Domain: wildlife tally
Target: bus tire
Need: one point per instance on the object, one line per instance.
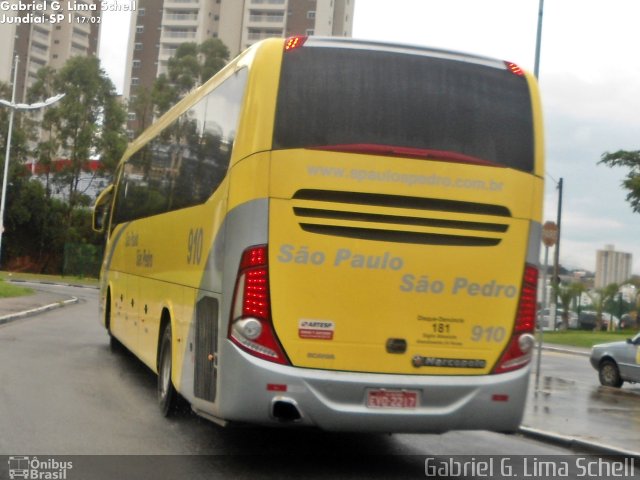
(114, 343)
(167, 395)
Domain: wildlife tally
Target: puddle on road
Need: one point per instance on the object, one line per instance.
(615, 401)
(551, 390)
(561, 396)
(550, 382)
(579, 410)
(550, 385)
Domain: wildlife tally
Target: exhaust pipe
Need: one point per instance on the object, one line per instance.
(285, 410)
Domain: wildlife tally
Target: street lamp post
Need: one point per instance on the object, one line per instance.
(536, 72)
(7, 151)
(13, 106)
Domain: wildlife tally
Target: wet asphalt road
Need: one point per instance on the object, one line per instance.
(64, 392)
(571, 401)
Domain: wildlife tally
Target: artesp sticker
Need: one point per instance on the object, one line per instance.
(316, 329)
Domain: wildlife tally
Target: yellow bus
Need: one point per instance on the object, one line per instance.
(334, 233)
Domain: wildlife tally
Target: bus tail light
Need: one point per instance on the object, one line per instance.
(518, 352)
(251, 328)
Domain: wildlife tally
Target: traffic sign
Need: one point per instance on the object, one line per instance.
(549, 234)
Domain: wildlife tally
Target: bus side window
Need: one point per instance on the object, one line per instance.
(205, 142)
(185, 164)
(102, 208)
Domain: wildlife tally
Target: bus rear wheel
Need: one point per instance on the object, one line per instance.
(167, 395)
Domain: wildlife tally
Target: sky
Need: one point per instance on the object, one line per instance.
(589, 76)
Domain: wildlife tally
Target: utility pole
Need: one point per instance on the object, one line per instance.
(536, 67)
(556, 258)
(8, 150)
(536, 72)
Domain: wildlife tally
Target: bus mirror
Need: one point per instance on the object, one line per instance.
(101, 209)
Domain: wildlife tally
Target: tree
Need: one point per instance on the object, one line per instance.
(113, 139)
(194, 64)
(19, 152)
(163, 95)
(19, 148)
(566, 294)
(184, 68)
(34, 224)
(630, 160)
(214, 56)
(599, 299)
(44, 123)
(142, 106)
(87, 123)
(191, 65)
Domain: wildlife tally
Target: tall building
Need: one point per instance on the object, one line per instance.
(46, 34)
(612, 267)
(158, 27)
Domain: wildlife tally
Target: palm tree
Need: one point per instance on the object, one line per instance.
(599, 299)
(566, 294)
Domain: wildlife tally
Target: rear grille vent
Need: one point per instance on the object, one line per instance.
(401, 201)
(346, 220)
(401, 220)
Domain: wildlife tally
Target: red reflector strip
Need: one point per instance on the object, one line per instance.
(276, 387)
(500, 397)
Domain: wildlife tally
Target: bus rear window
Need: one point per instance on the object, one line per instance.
(344, 97)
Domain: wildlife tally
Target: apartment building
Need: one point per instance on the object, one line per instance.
(48, 33)
(612, 267)
(158, 27)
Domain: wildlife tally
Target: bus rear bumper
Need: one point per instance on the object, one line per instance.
(271, 394)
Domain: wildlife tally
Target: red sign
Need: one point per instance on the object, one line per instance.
(549, 234)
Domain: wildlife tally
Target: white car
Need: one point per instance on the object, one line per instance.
(545, 318)
(617, 362)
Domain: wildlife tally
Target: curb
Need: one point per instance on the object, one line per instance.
(576, 443)
(562, 349)
(44, 282)
(34, 311)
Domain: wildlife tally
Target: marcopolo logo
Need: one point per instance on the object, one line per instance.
(38, 469)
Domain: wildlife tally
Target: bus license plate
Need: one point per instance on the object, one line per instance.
(392, 399)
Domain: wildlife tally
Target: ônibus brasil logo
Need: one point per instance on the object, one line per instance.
(35, 469)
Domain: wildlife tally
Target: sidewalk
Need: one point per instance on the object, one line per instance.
(568, 413)
(20, 307)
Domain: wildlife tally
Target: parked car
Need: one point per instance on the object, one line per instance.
(627, 321)
(617, 362)
(546, 321)
(587, 320)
